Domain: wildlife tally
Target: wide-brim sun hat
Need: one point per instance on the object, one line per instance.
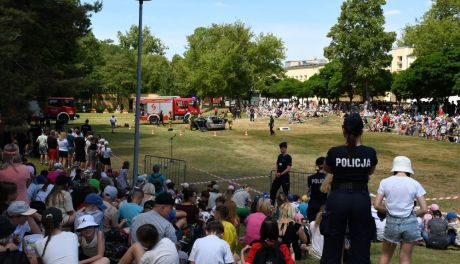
(402, 164)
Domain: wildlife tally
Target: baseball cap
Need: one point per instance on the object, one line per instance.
(164, 198)
(95, 183)
(20, 208)
(95, 199)
(7, 228)
(451, 215)
(283, 145)
(168, 181)
(434, 207)
(111, 191)
(85, 221)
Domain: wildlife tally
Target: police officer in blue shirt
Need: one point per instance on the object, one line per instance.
(283, 167)
(348, 202)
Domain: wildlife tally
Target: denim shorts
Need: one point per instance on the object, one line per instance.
(405, 230)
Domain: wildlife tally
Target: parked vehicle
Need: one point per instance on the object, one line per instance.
(60, 108)
(179, 108)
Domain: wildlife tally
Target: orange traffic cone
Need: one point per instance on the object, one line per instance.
(153, 132)
(215, 133)
(129, 127)
(246, 132)
(180, 133)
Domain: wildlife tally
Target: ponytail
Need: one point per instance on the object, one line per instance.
(49, 225)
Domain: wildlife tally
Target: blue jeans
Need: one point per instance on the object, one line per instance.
(404, 229)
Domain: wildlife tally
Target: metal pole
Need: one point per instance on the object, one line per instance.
(138, 98)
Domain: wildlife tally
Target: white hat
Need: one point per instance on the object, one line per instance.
(402, 163)
(85, 221)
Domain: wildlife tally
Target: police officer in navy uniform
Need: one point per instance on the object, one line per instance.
(283, 167)
(317, 198)
(348, 201)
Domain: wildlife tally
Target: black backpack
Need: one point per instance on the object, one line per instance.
(269, 254)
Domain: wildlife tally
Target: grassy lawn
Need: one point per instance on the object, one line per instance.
(231, 154)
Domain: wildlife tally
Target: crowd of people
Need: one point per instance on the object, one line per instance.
(80, 211)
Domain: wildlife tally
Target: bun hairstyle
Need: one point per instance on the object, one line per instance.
(51, 220)
(352, 129)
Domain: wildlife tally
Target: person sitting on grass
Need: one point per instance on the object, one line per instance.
(242, 199)
(255, 220)
(92, 241)
(132, 209)
(454, 228)
(436, 236)
(211, 249)
(230, 234)
(95, 207)
(268, 243)
(150, 249)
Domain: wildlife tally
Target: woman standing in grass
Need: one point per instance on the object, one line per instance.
(400, 191)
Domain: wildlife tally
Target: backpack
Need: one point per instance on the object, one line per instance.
(269, 254)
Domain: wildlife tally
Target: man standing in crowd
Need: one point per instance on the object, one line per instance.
(283, 167)
(317, 198)
(251, 114)
(271, 125)
(85, 128)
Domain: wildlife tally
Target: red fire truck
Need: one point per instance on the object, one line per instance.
(180, 108)
(60, 108)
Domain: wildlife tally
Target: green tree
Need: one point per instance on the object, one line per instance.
(227, 60)
(39, 44)
(178, 77)
(155, 74)
(286, 88)
(150, 43)
(433, 75)
(359, 42)
(437, 30)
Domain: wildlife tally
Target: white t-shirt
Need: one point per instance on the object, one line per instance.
(62, 249)
(317, 240)
(211, 249)
(164, 252)
(63, 145)
(400, 193)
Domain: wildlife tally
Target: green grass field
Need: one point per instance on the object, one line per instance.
(231, 154)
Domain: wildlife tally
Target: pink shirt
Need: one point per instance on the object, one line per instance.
(253, 224)
(18, 174)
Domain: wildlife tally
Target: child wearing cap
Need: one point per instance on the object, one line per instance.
(92, 241)
(93, 206)
(453, 232)
(400, 191)
(22, 218)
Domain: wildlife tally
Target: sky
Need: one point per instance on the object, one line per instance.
(301, 24)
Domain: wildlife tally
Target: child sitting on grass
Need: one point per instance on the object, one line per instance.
(211, 249)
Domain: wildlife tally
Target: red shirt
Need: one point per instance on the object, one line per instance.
(283, 248)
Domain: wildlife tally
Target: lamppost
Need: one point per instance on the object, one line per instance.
(138, 96)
